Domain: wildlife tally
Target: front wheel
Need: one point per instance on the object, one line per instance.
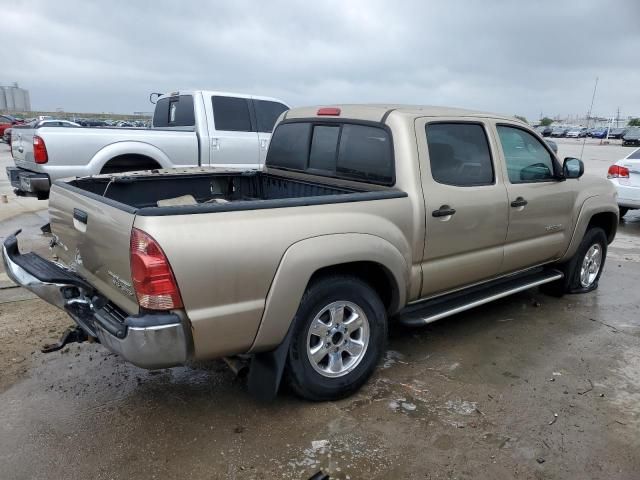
(582, 272)
(340, 333)
(623, 211)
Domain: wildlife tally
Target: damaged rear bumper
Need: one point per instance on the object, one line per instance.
(148, 340)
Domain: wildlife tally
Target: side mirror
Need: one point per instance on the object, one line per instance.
(153, 97)
(572, 167)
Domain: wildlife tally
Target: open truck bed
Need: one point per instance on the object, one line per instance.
(207, 190)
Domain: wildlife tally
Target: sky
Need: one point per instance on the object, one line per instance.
(520, 57)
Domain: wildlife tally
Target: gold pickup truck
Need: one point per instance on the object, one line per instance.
(363, 215)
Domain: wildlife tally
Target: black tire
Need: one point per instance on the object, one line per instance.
(302, 376)
(571, 269)
(623, 211)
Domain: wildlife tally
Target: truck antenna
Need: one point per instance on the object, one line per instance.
(593, 97)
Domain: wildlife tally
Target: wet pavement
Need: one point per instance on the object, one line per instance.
(527, 387)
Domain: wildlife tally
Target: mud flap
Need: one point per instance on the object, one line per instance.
(266, 370)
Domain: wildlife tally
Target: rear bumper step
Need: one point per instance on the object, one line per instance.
(148, 340)
(429, 311)
(28, 183)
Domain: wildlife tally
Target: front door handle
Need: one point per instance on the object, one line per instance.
(444, 211)
(519, 202)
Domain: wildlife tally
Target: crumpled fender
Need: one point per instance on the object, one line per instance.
(591, 206)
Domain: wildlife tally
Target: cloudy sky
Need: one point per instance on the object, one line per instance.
(513, 56)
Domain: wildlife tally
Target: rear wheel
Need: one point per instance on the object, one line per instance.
(340, 333)
(129, 163)
(582, 272)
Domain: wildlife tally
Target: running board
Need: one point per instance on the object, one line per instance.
(429, 311)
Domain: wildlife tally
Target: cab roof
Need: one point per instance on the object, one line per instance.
(377, 112)
(220, 93)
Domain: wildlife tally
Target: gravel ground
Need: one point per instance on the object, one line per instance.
(527, 387)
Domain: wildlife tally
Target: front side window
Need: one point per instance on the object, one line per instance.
(526, 157)
(231, 114)
(459, 154)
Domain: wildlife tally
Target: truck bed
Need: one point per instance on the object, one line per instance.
(186, 192)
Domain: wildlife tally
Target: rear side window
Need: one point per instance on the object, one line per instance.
(267, 112)
(231, 114)
(344, 150)
(174, 112)
(459, 154)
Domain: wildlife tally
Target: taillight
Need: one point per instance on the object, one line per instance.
(151, 273)
(616, 171)
(39, 150)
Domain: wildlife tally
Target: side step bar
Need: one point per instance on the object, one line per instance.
(428, 311)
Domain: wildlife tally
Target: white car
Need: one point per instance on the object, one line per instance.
(577, 132)
(625, 175)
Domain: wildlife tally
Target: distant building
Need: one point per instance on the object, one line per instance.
(14, 99)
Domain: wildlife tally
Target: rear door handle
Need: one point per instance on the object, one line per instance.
(519, 202)
(444, 211)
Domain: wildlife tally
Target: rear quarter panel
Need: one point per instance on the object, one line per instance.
(225, 262)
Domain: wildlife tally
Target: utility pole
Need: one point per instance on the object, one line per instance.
(618, 118)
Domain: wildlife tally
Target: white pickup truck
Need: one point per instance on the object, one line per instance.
(190, 128)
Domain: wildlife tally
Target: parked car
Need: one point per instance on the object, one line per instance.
(600, 133)
(93, 122)
(631, 136)
(576, 132)
(190, 129)
(625, 175)
(304, 263)
(559, 131)
(544, 131)
(617, 132)
(39, 124)
(7, 121)
(53, 122)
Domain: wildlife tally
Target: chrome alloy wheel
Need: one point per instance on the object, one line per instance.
(337, 339)
(591, 265)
